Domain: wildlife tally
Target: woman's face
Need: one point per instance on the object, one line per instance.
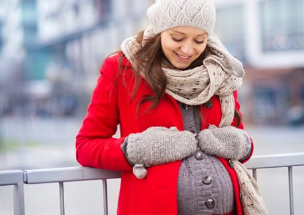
(183, 45)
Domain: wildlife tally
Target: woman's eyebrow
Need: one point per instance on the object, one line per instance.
(178, 32)
(185, 34)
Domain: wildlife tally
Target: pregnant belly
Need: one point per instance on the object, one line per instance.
(204, 186)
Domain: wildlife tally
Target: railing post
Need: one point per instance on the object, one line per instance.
(19, 208)
(105, 196)
(290, 182)
(61, 194)
(15, 178)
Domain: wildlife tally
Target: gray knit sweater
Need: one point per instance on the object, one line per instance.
(204, 185)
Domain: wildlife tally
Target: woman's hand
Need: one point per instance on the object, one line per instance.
(159, 145)
(226, 142)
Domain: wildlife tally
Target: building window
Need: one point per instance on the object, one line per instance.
(76, 9)
(103, 8)
(29, 22)
(230, 29)
(282, 23)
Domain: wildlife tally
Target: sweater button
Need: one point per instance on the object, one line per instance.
(199, 155)
(210, 203)
(207, 180)
(186, 107)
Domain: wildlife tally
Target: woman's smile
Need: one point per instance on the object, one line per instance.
(183, 45)
(183, 57)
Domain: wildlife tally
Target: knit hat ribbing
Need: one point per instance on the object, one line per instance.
(166, 14)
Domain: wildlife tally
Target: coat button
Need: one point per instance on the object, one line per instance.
(207, 180)
(210, 203)
(186, 107)
(199, 155)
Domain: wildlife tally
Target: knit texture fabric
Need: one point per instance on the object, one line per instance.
(159, 145)
(251, 199)
(193, 192)
(227, 142)
(220, 74)
(166, 14)
(194, 184)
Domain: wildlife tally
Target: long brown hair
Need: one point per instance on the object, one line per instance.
(149, 60)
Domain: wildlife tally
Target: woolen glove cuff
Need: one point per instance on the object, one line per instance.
(226, 142)
(159, 145)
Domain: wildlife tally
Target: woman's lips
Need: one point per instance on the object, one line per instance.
(182, 57)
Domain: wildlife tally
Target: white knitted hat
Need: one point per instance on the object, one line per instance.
(166, 14)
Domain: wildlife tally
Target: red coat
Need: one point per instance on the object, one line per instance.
(112, 104)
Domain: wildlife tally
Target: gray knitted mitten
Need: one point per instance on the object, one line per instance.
(226, 142)
(158, 145)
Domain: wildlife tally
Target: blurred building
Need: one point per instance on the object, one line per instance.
(51, 51)
(79, 35)
(59, 46)
(268, 36)
(18, 30)
(1, 23)
(2, 95)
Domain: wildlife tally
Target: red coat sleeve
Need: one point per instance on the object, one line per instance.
(241, 126)
(95, 145)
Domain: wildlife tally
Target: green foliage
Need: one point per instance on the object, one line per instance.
(12, 145)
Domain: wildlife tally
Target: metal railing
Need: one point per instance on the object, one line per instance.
(18, 178)
(276, 161)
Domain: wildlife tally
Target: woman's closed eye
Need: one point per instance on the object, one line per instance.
(177, 39)
(180, 39)
(199, 41)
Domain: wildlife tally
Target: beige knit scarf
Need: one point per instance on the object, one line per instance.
(220, 74)
(250, 196)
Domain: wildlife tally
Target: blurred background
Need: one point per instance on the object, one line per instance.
(51, 51)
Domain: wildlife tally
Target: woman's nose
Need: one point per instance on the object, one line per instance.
(187, 49)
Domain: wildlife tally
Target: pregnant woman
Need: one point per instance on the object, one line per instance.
(172, 89)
